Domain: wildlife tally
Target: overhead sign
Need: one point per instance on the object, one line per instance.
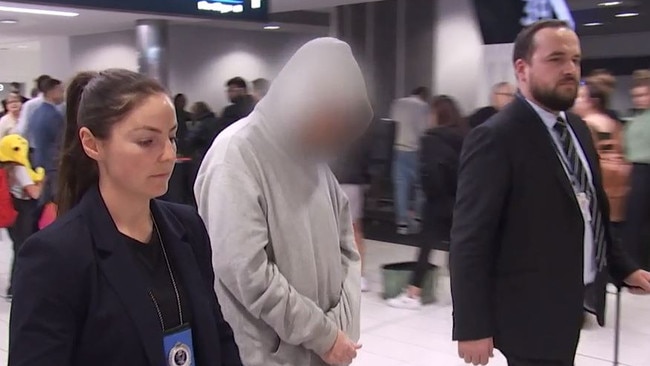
(254, 10)
(502, 20)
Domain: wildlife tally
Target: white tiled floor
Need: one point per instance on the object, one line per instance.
(392, 337)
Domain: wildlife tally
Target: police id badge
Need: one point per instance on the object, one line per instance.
(179, 350)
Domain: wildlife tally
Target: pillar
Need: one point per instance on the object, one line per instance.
(152, 46)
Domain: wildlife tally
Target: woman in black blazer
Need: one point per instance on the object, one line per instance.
(439, 161)
(120, 278)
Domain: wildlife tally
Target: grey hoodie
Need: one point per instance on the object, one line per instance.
(288, 273)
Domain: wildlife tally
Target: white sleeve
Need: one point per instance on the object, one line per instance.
(21, 175)
(21, 126)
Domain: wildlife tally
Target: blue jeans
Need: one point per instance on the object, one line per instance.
(406, 181)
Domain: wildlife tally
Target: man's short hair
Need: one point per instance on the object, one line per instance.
(641, 78)
(261, 84)
(15, 85)
(525, 41)
(500, 85)
(40, 80)
(237, 82)
(50, 84)
(421, 91)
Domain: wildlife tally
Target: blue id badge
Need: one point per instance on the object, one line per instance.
(179, 350)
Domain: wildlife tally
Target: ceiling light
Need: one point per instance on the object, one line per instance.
(8, 21)
(38, 11)
(23, 46)
(610, 3)
(626, 15)
(272, 27)
(593, 24)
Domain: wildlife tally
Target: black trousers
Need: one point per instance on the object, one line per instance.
(514, 361)
(434, 234)
(638, 215)
(22, 229)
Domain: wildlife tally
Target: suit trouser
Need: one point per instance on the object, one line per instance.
(514, 361)
(638, 214)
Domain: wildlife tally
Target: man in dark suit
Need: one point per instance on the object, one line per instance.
(242, 102)
(531, 234)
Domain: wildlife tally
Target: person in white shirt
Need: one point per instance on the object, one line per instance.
(411, 116)
(9, 121)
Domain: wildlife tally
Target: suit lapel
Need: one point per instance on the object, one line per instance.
(185, 266)
(542, 143)
(118, 265)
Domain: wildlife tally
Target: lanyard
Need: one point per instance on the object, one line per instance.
(173, 282)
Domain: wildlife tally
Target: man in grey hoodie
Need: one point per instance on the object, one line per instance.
(288, 274)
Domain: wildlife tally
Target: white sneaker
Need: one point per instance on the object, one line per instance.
(404, 301)
(364, 285)
(403, 230)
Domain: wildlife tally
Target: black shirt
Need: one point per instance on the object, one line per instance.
(156, 275)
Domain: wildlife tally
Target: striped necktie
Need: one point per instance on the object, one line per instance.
(581, 179)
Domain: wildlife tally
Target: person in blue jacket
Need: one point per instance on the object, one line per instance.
(119, 278)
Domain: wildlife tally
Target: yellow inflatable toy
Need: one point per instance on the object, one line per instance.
(15, 149)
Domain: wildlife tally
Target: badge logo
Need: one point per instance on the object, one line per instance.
(180, 355)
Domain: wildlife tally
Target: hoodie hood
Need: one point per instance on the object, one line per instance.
(321, 75)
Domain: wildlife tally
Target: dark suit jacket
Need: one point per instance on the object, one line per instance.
(517, 242)
(241, 108)
(79, 298)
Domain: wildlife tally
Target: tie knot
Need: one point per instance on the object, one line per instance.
(560, 124)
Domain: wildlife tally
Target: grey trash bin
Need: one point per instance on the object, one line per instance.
(396, 277)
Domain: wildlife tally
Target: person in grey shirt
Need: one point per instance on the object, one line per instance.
(411, 115)
(288, 273)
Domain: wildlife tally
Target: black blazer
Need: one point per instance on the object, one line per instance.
(79, 298)
(517, 242)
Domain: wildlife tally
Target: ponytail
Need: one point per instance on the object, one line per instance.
(77, 172)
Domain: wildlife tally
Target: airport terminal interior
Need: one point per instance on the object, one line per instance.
(217, 60)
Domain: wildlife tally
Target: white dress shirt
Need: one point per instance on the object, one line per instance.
(550, 119)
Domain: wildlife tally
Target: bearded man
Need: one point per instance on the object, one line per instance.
(530, 239)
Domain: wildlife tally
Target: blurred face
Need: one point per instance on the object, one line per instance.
(641, 97)
(327, 133)
(552, 75)
(583, 102)
(13, 104)
(57, 95)
(235, 92)
(139, 156)
(433, 121)
(503, 96)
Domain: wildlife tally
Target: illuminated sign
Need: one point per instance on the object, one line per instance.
(253, 10)
(223, 6)
(502, 20)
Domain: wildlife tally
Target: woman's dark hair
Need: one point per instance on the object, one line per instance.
(448, 113)
(180, 102)
(599, 93)
(97, 101)
(200, 110)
